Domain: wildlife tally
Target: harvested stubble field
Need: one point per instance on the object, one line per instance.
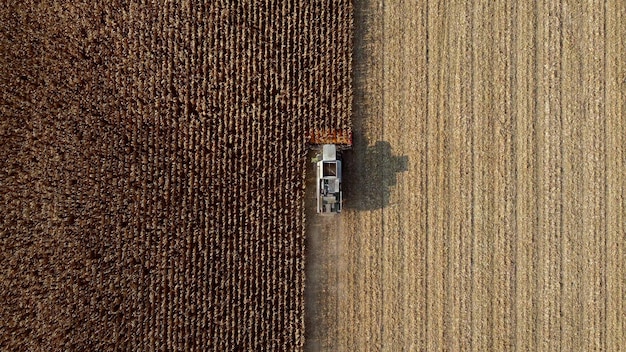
(506, 231)
(152, 169)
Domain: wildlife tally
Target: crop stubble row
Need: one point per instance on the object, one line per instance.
(153, 169)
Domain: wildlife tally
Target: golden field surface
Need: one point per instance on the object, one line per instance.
(485, 195)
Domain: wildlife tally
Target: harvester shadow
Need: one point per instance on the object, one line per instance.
(369, 173)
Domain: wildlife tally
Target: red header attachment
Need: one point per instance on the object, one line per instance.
(331, 137)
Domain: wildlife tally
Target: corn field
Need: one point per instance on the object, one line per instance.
(152, 169)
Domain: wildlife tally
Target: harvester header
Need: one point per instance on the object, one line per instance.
(328, 136)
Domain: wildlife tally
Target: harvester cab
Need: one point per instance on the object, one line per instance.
(328, 168)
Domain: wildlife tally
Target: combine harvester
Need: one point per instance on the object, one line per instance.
(329, 193)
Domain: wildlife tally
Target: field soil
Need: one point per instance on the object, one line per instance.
(485, 195)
